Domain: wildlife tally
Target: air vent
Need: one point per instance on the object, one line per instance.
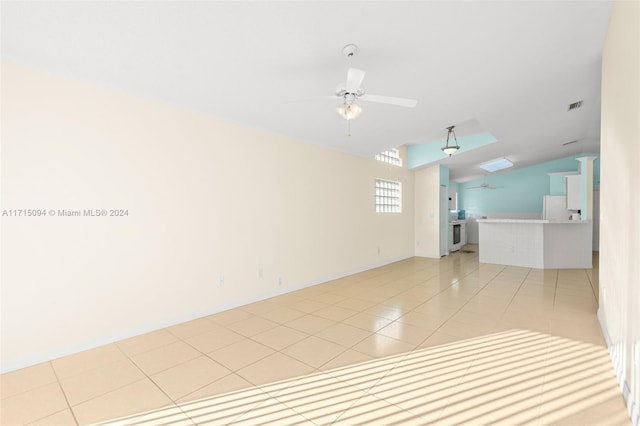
(569, 143)
(575, 105)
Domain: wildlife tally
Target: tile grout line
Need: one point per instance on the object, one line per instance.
(59, 382)
(254, 362)
(73, 414)
(475, 354)
(593, 290)
(516, 292)
(316, 369)
(412, 310)
(401, 283)
(148, 377)
(459, 309)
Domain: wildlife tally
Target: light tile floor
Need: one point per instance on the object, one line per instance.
(417, 342)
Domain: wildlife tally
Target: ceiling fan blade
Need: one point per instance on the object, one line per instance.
(403, 102)
(354, 79)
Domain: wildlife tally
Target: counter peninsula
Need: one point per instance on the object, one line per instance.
(532, 243)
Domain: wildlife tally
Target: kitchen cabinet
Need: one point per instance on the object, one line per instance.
(574, 192)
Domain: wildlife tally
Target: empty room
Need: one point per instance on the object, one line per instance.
(320, 213)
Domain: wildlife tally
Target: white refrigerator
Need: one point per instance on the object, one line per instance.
(554, 207)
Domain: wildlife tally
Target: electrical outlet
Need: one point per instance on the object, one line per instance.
(279, 280)
(221, 280)
(378, 250)
(259, 273)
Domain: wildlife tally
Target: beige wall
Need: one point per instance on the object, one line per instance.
(205, 199)
(620, 193)
(427, 211)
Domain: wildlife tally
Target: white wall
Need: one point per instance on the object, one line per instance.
(619, 196)
(427, 202)
(205, 199)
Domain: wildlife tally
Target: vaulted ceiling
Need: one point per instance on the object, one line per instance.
(511, 68)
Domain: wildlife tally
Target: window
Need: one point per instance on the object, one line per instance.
(495, 165)
(391, 156)
(388, 196)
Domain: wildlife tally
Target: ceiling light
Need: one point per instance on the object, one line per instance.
(495, 165)
(349, 110)
(451, 149)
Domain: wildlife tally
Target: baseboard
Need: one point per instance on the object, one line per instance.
(616, 359)
(105, 340)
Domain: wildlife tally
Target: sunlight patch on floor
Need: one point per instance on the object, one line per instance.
(517, 376)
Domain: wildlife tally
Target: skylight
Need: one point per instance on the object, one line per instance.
(495, 165)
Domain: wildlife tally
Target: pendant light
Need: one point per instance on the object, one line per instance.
(451, 149)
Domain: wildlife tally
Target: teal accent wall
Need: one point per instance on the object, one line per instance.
(426, 153)
(521, 191)
(444, 175)
(557, 185)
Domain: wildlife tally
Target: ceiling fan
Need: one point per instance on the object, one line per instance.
(352, 91)
(485, 185)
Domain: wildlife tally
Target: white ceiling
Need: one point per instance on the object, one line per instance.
(512, 66)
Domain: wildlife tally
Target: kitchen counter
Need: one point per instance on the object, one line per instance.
(532, 221)
(534, 243)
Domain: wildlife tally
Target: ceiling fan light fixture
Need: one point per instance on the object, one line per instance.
(349, 110)
(451, 149)
(352, 91)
